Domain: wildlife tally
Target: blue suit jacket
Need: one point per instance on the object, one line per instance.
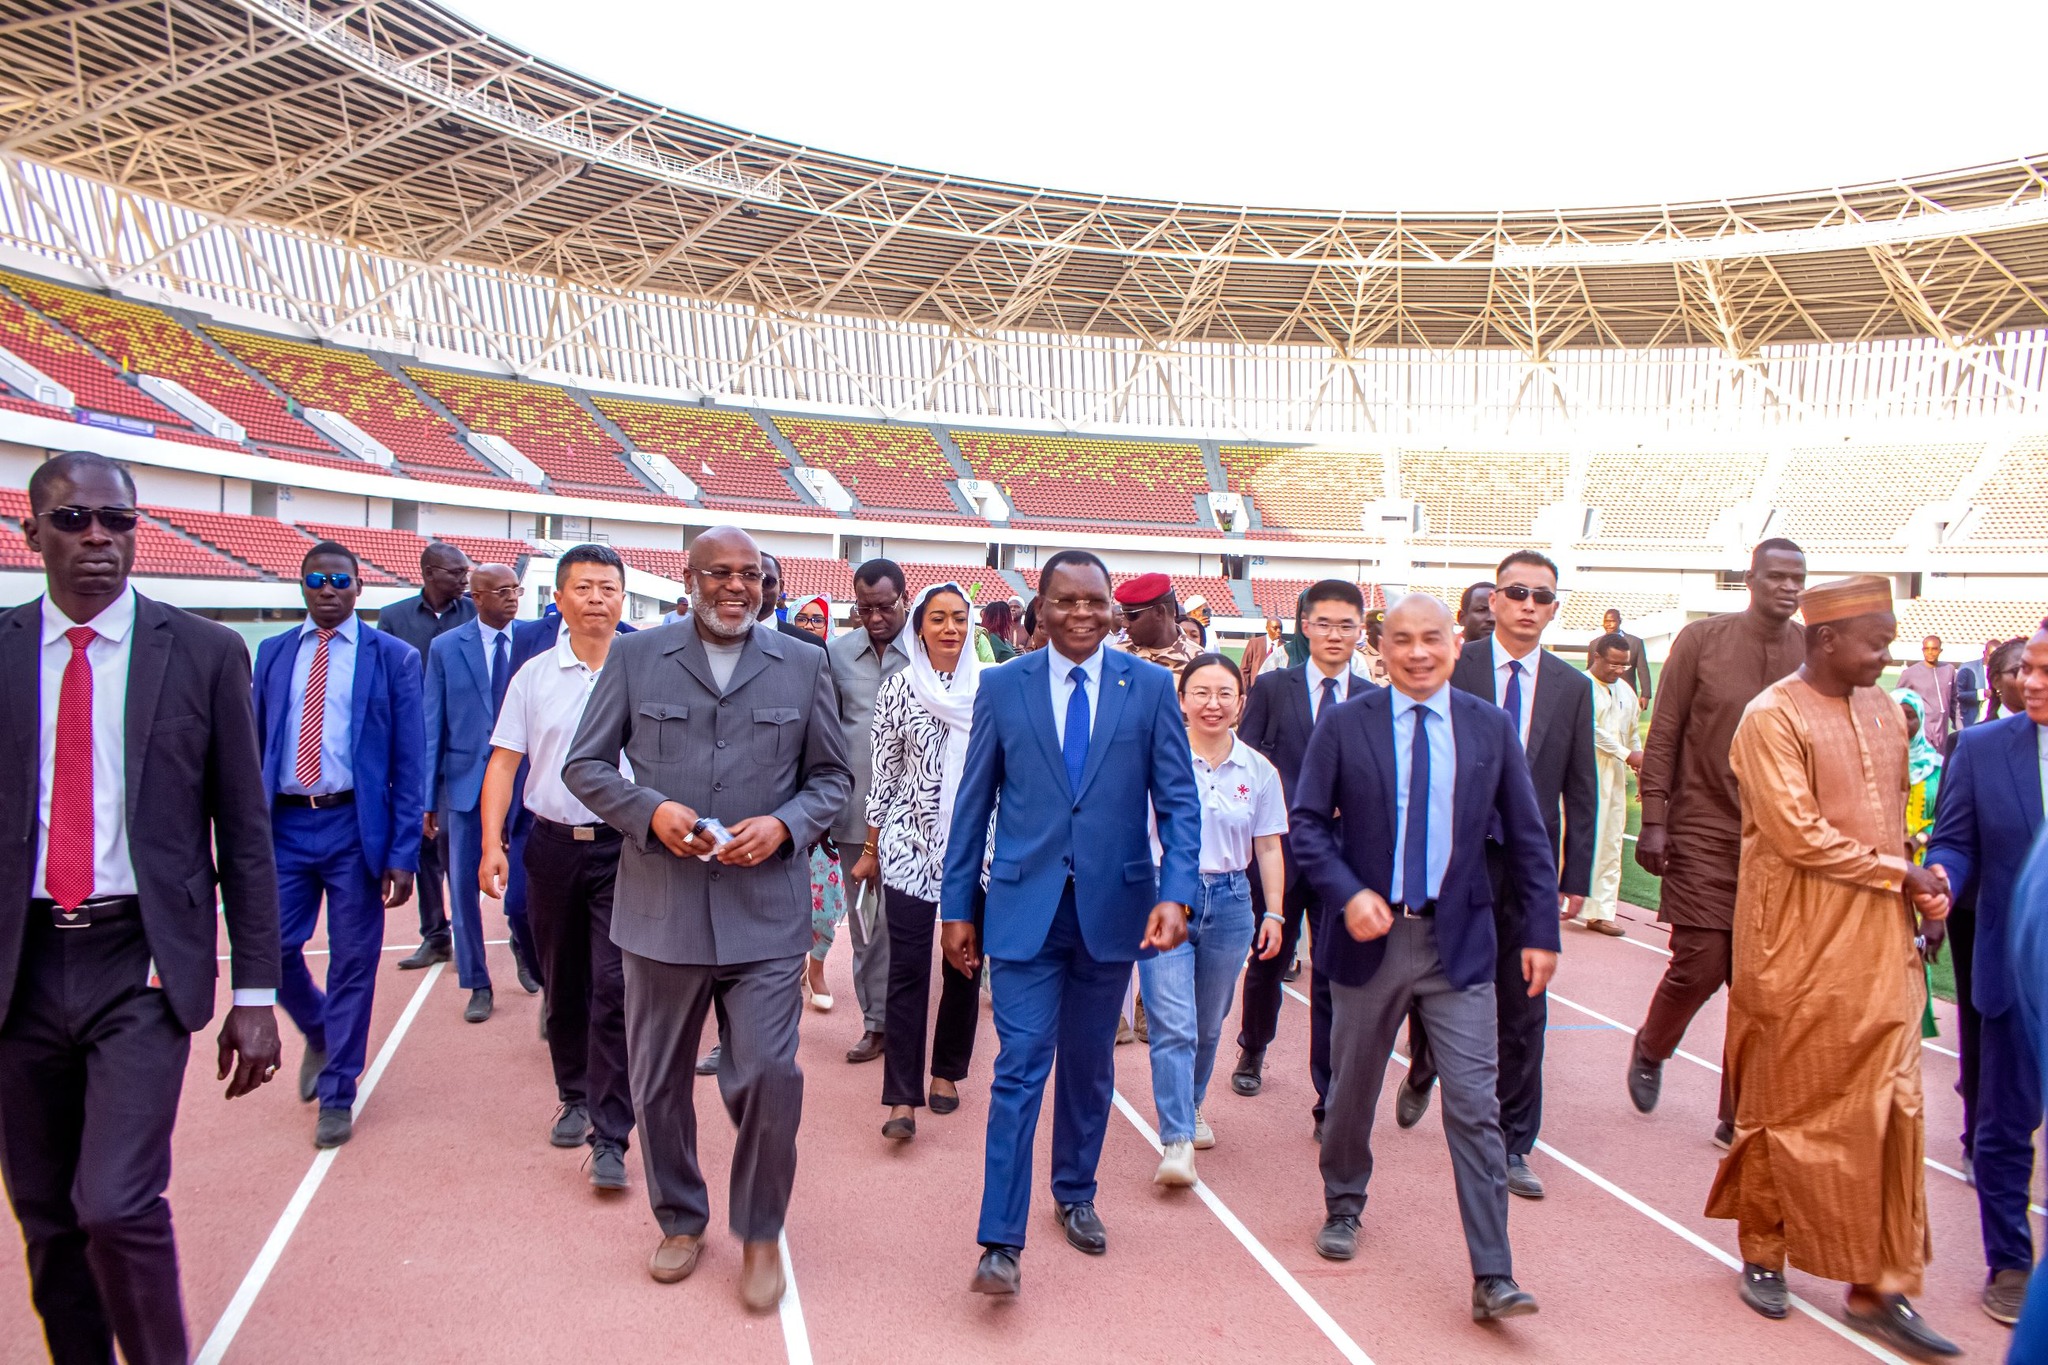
(387, 733)
(1343, 835)
(459, 718)
(1988, 815)
(1046, 833)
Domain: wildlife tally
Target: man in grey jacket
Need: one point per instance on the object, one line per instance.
(718, 722)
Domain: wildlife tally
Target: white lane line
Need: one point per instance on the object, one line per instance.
(796, 1338)
(1303, 1300)
(237, 1312)
(1602, 1182)
(387, 948)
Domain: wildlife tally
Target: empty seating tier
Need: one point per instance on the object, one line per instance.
(260, 542)
(802, 577)
(1667, 498)
(1276, 596)
(149, 341)
(357, 387)
(1071, 478)
(1312, 494)
(2013, 503)
(93, 385)
(1964, 626)
(1482, 496)
(490, 549)
(163, 553)
(1864, 495)
(1587, 603)
(397, 553)
(667, 564)
(726, 453)
(984, 585)
(543, 422)
(882, 466)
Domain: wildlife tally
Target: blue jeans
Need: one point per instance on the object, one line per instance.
(1187, 997)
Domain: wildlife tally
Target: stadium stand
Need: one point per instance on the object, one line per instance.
(667, 564)
(1584, 607)
(1667, 499)
(160, 552)
(1848, 496)
(545, 424)
(984, 585)
(397, 553)
(882, 466)
(1481, 497)
(1276, 596)
(352, 384)
(1214, 590)
(1964, 625)
(93, 386)
(725, 452)
(490, 549)
(802, 577)
(1306, 494)
(148, 340)
(2012, 505)
(1071, 480)
(260, 542)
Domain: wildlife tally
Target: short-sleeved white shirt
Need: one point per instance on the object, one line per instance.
(543, 706)
(1241, 800)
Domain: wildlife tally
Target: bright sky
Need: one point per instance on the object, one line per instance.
(1483, 104)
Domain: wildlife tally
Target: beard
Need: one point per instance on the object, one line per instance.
(700, 607)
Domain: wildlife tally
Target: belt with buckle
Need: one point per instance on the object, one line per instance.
(582, 834)
(1426, 910)
(99, 910)
(346, 798)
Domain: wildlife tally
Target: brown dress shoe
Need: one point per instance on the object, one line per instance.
(761, 1277)
(675, 1258)
(867, 1049)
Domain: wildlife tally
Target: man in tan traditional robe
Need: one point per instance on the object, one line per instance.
(1824, 1011)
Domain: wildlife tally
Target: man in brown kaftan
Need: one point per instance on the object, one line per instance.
(1824, 1010)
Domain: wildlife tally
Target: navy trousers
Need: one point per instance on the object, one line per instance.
(2008, 1112)
(465, 903)
(524, 946)
(1062, 1003)
(320, 855)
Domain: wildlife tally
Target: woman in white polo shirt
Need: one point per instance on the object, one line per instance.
(1188, 990)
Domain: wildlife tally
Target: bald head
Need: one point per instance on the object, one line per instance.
(724, 577)
(1419, 645)
(495, 589)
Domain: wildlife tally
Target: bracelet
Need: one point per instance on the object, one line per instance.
(1275, 917)
(870, 850)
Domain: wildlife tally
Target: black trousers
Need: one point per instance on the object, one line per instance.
(911, 925)
(91, 1065)
(1962, 950)
(1522, 1021)
(432, 889)
(1264, 991)
(569, 903)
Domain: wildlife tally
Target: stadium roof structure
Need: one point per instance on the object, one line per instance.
(396, 128)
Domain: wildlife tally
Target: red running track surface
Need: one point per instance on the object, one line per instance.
(449, 1229)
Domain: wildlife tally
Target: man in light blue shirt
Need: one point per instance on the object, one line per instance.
(333, 773)
(1443, 768)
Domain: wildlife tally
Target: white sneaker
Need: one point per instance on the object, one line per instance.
(1177, 1166)
(1205, 1136)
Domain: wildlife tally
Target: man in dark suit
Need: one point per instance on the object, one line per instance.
(1638, 670)
(468, 670)
(113, 695)
(1552, 703)
(1283, 711)
(338, 715)
(771, 596)
(1989, 815)
(1397, 794)
(1073, 739)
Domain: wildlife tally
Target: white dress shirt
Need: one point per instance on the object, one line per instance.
(112, 873)
(1061, 672)
(1316, 677)
(543, 706)
(1443, 775)
(337, 712)
(1500, 681)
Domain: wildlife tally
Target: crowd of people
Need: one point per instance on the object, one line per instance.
(1074, 804)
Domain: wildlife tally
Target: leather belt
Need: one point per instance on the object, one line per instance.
(582, 834)
(1427, 910)
(347, 798)
(98, 910)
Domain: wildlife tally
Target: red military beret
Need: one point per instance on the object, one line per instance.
(1146, 587)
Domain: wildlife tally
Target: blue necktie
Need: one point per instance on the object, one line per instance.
(501, 673)
(1512, 703)
(1415, 843)
(1329, 696)
(1074, 747)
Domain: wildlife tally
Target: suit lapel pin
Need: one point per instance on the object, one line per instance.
(1119, 682)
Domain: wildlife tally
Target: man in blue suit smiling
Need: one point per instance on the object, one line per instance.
(338, 711)
(1390, 821)
(1075, 739)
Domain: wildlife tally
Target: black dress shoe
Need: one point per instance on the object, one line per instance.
(1319, 1132)
(1522, 1181)
(528, 982)
(1338, 1240)
(479, 1007)
(1645, 1082)
(310, 1067)
(1724, 1135)
(900, 1130)
(607, 1166)
(998, 1272)
(867, 1049)
(1498, 1296)
(572, 1126)
(1410, 1104)
(1084, 1228)
(1248, 1079)
(1292, 972)
(334, 1127)
(707, 1065)
(426, 955)
(1896, 1320)
(942, 1104)
(1764, 1290)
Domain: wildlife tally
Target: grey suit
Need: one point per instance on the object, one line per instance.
(858, 671)
(692, 932)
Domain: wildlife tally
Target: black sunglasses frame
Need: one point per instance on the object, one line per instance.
(341, 581)
(73, 520)
(1522, 592)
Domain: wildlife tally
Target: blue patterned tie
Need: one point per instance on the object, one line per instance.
(501, 673)
(1415, 843)
(1512, 703)
(1074, 747)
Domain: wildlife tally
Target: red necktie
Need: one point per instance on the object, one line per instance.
(67, 873)
(314, 714)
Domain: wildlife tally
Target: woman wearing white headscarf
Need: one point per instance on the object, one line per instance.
(922, 715)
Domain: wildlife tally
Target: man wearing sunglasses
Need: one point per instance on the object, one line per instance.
(338, 713)
(107, 926)
(1551, 703)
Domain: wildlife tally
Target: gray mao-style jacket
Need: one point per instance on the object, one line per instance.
(770, 744)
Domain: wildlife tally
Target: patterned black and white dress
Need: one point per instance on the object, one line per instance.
(903, 799)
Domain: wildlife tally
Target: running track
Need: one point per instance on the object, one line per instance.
(450, 1230)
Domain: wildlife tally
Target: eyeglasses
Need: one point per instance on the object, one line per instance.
(1080, 603)
(513, 591)
(877, 608)
(750, 577)
(72, 520)
(1323, 627)
(1521, 592)
(808, 618)
(342, 581)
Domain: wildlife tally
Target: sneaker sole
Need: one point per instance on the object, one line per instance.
(556, 1140)
(608, 1186)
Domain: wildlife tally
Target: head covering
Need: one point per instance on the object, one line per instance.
(1195, 604)
(1845, 598)
(1923, 760)
(950, 704)
(1146, 587)
(824, 606)
(1297, 643)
